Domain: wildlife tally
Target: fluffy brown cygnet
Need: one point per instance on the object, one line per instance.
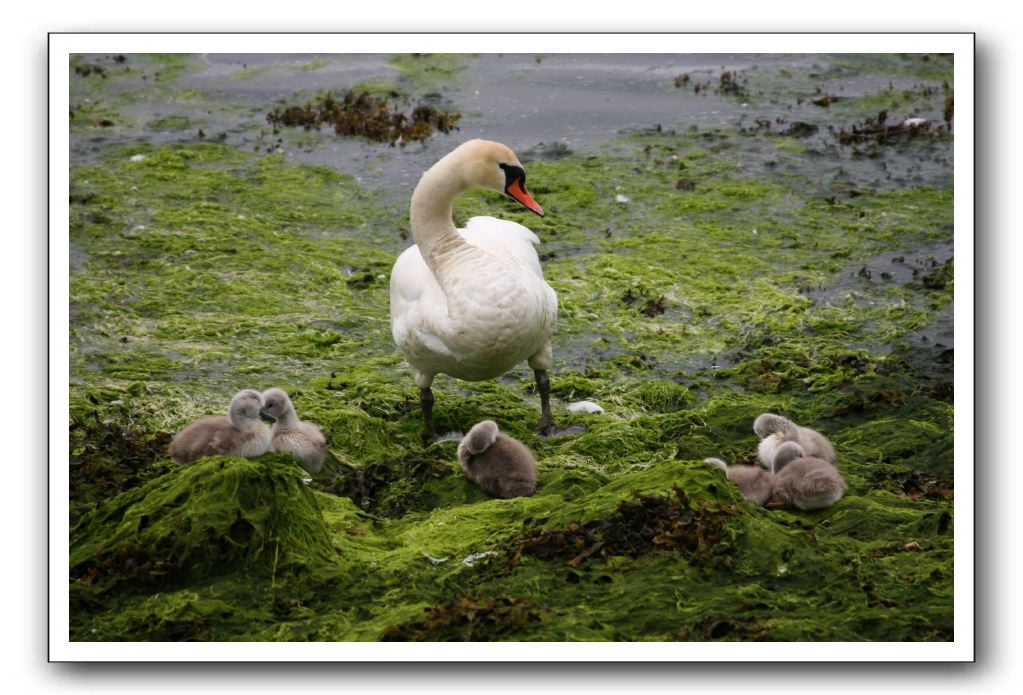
(806, 482)
(303, 440)
(502, 466)
(775, 430)
(239, 434)
(755, 483)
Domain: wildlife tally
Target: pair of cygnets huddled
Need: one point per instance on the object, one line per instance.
(242, 433)
(799, 467)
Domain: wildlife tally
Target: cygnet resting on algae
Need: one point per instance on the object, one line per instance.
(806, 482)
(755, 483)
(303, 440)
(499, 464)
(775, 430)
(239, 434)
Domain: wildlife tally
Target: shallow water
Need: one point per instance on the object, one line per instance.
(528, 102)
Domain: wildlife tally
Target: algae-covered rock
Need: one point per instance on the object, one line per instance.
(216, 516)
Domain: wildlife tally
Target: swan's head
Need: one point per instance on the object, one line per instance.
(275, 405)
(245, 408)
(492, 165)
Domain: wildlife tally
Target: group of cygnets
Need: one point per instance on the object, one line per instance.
(504, 467)
(242, 432)
(798, 463)
(798, 467)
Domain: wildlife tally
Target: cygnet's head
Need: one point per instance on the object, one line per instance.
(769, 423)
(245, 407)
(786, 453)
(481, 437)
(276, 405)
(493, 165)
(774, 430)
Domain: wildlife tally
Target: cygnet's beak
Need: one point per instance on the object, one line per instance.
(265, 415)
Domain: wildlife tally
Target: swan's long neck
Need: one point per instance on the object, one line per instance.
(430, 216)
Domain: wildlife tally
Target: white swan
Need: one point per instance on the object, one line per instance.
(472, 303)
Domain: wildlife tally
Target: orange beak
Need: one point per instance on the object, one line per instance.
(517, 190)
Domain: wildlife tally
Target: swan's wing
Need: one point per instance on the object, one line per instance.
(504, 238)
(417, 304)
(419, 307)
(410, 280)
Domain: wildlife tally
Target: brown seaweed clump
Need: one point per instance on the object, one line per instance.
(915, 484)
(107, 458)
(729, 84)
(467, 619)
(652, 306)
(363, 114)
(389, 487)
(638, 526)
(87, 69)
(727, 630)
(876, 129)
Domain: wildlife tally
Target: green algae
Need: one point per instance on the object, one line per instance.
(202, 269)
(914, 82)
(170, 123)
(198, 521)
(249, 73)
(108, 95)
(430, 72)
(904, 101)
(926, 66)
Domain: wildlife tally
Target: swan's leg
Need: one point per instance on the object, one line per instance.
(543, 385)
(426, 403)
(423, 381)
(541, 362)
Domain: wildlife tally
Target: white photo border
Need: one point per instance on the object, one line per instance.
(63, 45)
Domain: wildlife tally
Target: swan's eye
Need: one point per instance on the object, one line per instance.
(512, 173)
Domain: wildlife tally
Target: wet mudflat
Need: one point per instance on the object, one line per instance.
(728, 235)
